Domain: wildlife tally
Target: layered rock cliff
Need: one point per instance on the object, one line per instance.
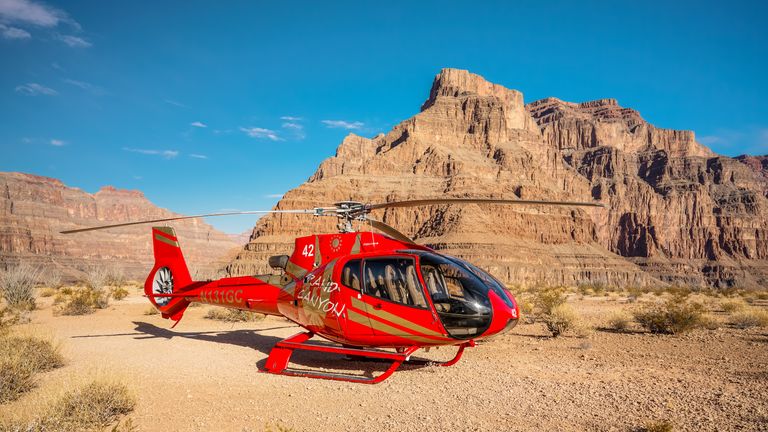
(675, 211)
(34, 209)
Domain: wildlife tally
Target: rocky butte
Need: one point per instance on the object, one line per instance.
(676, 213)
(34, 209)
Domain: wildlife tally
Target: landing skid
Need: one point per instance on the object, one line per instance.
(277, 362)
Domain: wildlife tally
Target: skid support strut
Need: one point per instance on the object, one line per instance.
(280, 356)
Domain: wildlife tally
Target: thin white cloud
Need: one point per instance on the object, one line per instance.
(34, 89)
(198, 156)
(256, 132)
(343, 124)
(74, 41)
(749, 140)
(85, 86)
(273, 196)
(295, 126)
(198, 124)
(14, 32)
(57, 143)
(175, 103)
(291, 118)
(168, 154)
(33, 13)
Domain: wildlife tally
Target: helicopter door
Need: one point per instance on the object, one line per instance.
(351, 279)
(395, 301)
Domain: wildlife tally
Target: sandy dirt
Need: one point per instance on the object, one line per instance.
(204, 375)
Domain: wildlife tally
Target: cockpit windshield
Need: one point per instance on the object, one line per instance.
(460, 297)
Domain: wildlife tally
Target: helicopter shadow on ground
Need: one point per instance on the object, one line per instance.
(252, 338)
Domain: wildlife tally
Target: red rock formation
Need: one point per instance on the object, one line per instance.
(34, 209)
(676, 211)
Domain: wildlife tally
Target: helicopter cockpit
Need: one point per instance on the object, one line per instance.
(459, 290)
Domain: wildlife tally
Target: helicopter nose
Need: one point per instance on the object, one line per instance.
(505, 314)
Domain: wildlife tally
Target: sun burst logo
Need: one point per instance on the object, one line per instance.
(336, 243)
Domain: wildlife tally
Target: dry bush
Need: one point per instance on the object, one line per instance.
(96, 277)
(80, 301)
(51, 279)
(671, 317)
(563, 319)
(546, 299)
(232, 315)
(21, 357)
(151, 310)
(619, 321)
(47, 292)
(658, 426)
(119, 293)
(93, 406)
(18, 286)
(749, 317)
(710, 322)
(733, 305)
(115, 276)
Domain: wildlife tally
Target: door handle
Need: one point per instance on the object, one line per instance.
(377, 306)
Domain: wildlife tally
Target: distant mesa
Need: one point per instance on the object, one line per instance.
(33, 209)
(677, 213)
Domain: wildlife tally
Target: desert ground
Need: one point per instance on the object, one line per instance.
(204, 375)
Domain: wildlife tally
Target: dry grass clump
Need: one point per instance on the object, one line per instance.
(93, 406)
(232, 315)
(671, 317)
(733, 305)
(151, 310)
(118, 293)
(658, 426)
(96, 277)
(80, 301)
(21, 357)
(749, 317)
(562, 319)
(17, 285)
(47, 292)
(619, 321)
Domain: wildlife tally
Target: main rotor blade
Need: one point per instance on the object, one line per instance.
(390, 231)
(421, 202)
(312, 212)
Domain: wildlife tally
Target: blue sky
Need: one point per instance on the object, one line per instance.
(206, 106)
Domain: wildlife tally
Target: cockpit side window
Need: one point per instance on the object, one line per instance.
(395, 280)
(350, 275)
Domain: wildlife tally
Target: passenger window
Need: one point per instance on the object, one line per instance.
(350, 275)
(394, 279)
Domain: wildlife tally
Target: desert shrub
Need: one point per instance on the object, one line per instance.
(546, 299)
(115, 276)
(93, 406)
(619, 321)
(710, 322)
(749, 317)
(47, 292)
(671, 317)
(658, 426)
(21, 357)
(151, 310)
(80, 301)
(232, 315)
(733, 305)
(562, 319)
(119, 293)
(96, 278)
(18, 286)
(51, 279)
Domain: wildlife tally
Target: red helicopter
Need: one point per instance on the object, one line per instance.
(363, 290)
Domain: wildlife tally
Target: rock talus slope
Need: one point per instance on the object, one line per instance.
(675, 211)
(34, 209)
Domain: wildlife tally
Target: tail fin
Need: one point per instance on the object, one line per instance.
(169, 276)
